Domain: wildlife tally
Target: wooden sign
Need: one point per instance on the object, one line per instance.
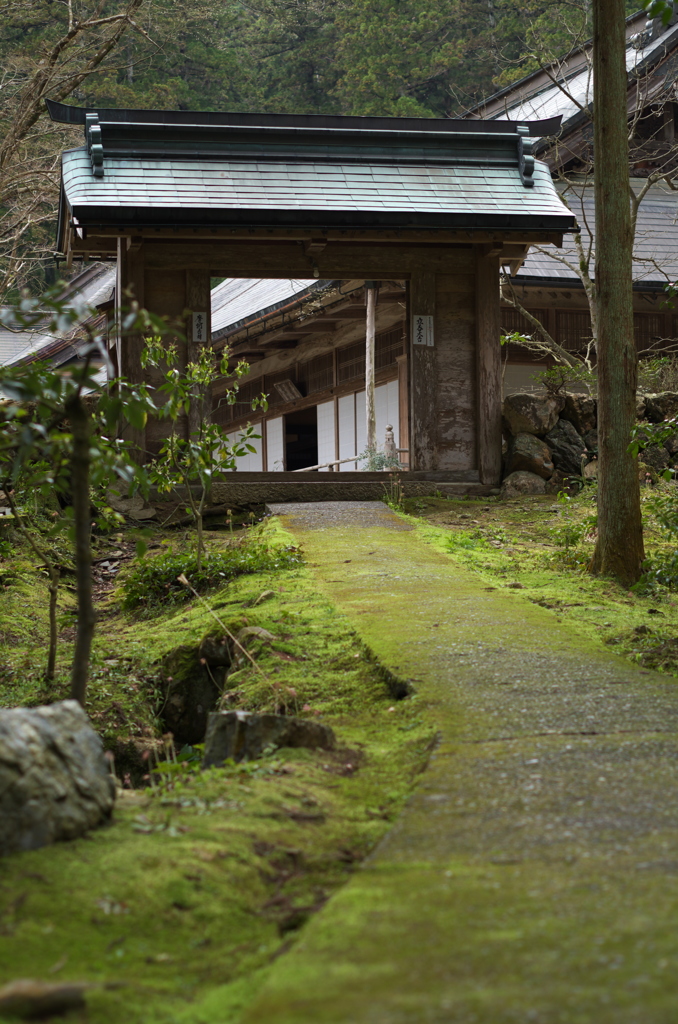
(422, 330)
(200, 328)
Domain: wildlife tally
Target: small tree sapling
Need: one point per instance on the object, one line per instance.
(204, 455)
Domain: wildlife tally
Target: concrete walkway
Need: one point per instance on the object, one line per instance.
(533, 876)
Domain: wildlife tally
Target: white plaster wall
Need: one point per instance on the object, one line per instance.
(360, 425)
(347, 431)
(387, 411)
(275, 445)
(252, 462)
(326, 445)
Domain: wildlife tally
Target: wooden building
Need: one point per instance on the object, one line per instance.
(547, 283)
(427, 209)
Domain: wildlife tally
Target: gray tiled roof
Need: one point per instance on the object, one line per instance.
(238, 299)
(656, 243)
(475, 193)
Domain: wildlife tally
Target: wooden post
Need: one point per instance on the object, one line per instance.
(371, 416)
(129, 287)
(423, 373)
(488, 350)
(403, 409)
(198, 334)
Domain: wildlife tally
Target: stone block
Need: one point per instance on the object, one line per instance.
(528, 452)
(581, 411)
(243, 736)
(521, 482)
(54, 778)
(532, 414)
(567, 447)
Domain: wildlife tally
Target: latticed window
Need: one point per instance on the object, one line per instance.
(573, 329)
(648, 329)
(387, 347)
(513, 322)
(351, 362)
(248, 391)
(317, 374)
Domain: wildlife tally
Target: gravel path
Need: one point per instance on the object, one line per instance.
(533, 876)
(323, 515)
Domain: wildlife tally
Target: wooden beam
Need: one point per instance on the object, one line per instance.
(423, 373)
(488, 349)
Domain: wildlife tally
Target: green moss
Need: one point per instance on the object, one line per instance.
(174, 910)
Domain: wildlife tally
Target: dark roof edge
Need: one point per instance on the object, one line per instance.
(275, 307)
(534, 280)
(64, 114)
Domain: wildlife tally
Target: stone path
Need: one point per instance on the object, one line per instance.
(533, 876)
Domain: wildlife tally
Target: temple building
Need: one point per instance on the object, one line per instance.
(266, 232)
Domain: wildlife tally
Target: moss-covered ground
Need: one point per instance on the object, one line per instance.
(174, 910)
(532, 875)
(543, 546)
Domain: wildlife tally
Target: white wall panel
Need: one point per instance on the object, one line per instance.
(326, 445)
(386, 408)
(275, 445)
(347, 431)
(360, 425)
(252, 462)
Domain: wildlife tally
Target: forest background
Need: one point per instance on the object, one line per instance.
(399, 58)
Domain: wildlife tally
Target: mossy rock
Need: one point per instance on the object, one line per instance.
(191, 681)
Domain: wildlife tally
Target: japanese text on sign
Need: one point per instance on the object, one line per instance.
(200, 327)
(422, 330)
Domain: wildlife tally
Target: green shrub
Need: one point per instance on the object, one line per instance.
(154, 581)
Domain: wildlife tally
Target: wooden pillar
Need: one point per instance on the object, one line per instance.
(488, 348)
(198, 334)
(403, 409)
(370, 322)
(130, 287)
(423, 371)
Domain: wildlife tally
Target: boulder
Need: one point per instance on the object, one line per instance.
(657, 457)
(590, 471)
(54, 777)
(567, 447)
(244, 736)
(581, 411)
(663, 406)
(591, 440)
(532, 414)
(641, 407)
(528, 452)
(192, 680)
(520, 483)
(557, 483)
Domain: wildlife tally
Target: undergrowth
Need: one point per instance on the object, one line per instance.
(155, 580)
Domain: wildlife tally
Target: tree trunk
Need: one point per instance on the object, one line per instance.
(53, 629)
(79, 420)
(619, 549)
(371, 302)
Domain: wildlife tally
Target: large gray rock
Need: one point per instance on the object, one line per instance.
(529, 453)
(517, 484)
(663, 406)
(532, 414)
(244, 736)
(54, 777)
(581, 411)
(567, 447)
